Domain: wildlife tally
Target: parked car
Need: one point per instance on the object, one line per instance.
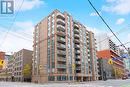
(124, 77)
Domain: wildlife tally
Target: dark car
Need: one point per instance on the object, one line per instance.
(124, 78)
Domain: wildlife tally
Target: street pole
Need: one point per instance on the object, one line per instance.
(102, 68)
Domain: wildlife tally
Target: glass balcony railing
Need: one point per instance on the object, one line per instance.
(77, 52)
(76, 25)
(76, 31)
(61, 52)
(60, 21)
(77, 62)
(77, 46)
(60, 15)
(61, 59)
(61, 66)
(60, 39)
(76, 35)
(76, 41)
(61, 46)
(60, 27)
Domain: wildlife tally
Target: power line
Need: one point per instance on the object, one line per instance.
(116, 33)
(106, 24)
(124, 44)
(11, 24)
(18, 35)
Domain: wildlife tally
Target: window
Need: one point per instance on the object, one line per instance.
(59, 78)
(71, 77)
(53, 64)
(51, 78)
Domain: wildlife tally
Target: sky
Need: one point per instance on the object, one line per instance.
(16, 31)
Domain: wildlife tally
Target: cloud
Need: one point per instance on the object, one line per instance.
(17, 39)
(110, 0)
(95, 30)
(121, 7)
(120, 21)
(94, 14)
(28, 4)
(129, 36)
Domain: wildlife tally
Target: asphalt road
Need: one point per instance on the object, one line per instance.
(108, 83)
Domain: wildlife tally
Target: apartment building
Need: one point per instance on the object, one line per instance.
(63, 50)
(107, 49)
(10, 68)
(17, 70)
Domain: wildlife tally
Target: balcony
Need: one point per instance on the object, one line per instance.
(77, 58)
(76, 31)
(60, 33)
(76, 41)
(60, 52)
(77, 52)
(77, 46)
(61, 66)
(77, 62)
(61, 46)
(61, 22)
(61, 39)
(78, 68)
(60, 27)
(61, 59)
(61, 72)
(76, 25)
(60, 15)
(76, 36)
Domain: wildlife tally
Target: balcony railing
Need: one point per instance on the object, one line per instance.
(60, 39)
(60, 31)
(60, 15)
(77, 46)
(76, 25)
(61, 72)
(77, 62)
(61, 66)
(76, 31)
(61, 59)
(78, 68)
(60, 27)
(76, 36)
(61, 52)
(76, 41)
(61, 46)
(60, 21)
(77, 52)
(77, 57)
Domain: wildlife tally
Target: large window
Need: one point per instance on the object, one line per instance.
(49, 26)
(53, 21)
(61, 78)
(51, 78)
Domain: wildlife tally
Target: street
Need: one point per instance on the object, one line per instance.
(108, 83)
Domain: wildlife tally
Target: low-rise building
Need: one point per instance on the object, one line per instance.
(107, 50)
(20, 65)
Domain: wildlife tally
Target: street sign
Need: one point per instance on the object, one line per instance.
(40, 66)
(110, 61)
(2, 62)
(73, 66)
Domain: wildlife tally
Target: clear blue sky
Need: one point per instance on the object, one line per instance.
(32, 11)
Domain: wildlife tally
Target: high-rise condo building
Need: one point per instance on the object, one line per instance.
(64, 50)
